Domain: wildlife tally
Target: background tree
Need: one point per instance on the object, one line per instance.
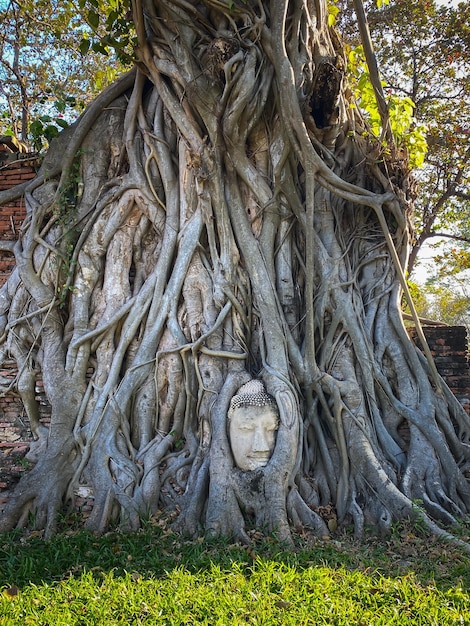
(221, 213)
(45, 79)
(423, 52)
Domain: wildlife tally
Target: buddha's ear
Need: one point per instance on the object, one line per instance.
(287, 408)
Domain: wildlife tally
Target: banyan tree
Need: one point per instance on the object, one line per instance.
(221, 215)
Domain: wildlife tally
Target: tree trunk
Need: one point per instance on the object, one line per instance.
(221, 215)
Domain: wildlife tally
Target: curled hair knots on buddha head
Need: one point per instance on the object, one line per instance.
(251, 393)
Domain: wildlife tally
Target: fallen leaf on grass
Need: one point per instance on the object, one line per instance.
(280, 604)
(11, 592)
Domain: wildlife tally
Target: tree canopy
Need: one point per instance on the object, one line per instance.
(427, 48)
(46, 79)
(423, 53)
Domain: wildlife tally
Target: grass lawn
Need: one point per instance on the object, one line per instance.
(156, 577)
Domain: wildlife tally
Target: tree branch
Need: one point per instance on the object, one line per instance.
(7, 246)
(448, 236)
(373, 71)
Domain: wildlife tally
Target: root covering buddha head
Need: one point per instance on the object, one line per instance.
(253, 422)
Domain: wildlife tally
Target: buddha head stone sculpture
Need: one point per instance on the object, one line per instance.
(253, 421)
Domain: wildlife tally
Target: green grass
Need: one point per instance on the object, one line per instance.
(156, 577)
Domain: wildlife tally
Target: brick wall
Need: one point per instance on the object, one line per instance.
(449, 347)
(15, 168)
(15, 434)
(15, 431)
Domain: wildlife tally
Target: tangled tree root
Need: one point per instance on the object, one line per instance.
(225, 229)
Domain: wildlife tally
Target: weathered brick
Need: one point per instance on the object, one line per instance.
(22, 168)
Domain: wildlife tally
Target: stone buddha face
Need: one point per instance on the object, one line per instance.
(253, 423)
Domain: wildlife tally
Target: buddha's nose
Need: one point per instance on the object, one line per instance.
(260, 441)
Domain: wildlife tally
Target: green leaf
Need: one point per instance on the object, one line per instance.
(36, 128)
(93, 18)
(50, 132)
(98, 47)
(112, 17)
(333, 11)
(84, 46)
